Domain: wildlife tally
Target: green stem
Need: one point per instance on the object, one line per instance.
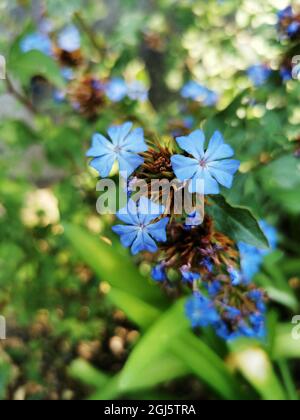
(288, 380)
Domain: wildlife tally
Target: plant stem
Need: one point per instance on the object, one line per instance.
(21, 98)
(288, 380)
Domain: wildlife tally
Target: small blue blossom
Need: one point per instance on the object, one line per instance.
(137, 91)
(293, 29)
(252, 257)
(116, 89)
(67, 73)
(187, 275)
(259, 74)
(123, 147)
(207, 263)
(201, 311)
(214, 288)
(285, 13)
(208, 168)
(236, 276)
(140, 231)
(69, 39)
(159, 273)
(286, 74)
(196, 92)
(36, 41)
(194, 219)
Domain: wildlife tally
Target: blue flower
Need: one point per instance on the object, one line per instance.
(207, 168)
(193, 219)
(285, 13)
(159, 272)
(201, 311)
(214, 288)
(116, 89)
(252, 257)
(259, 74)
(196, 92)
(236, 276)
(293, 29)
(123, 147)
(207, 264)
(286, 74)
(36, 41)
(187, 275)
(137, 91)
(140, 231)
(69, 39)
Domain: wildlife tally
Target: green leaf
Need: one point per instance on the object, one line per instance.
(141, 313)
(154, 343)
(84, 372)
(34, 63)
(237, 222)
(111, 266)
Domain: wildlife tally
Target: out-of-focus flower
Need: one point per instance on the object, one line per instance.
(159, 272)
(201, 311)
(123, 147)
(259, 74)
(116, 89)
(40, 209)
(69, 39)
(196, 92)
(188, 275)
(137, 91)
(87, 95)
(252, 257)
(288, 23)
(211, 166)
(36, 41)
(141, 231)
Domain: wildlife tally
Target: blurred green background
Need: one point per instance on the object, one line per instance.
(83, 319)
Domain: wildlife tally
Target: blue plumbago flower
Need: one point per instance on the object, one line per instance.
(214, 288)
(187, 275)
(252, 257)
(201, 311)
(193, 219)
(140, 231)
(69, 39)
(36, 41)
(137, 91)
(196, 92)
(285, 13)
(211, 166)
(116, 89)
(259, 74)
(286, 74)
(207, 264)
(293, 29)
(159, 272)
(236, 276)
(123, 147)
(67, 73)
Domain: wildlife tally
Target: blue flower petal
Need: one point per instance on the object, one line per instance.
(148, 210)
(103, 164)
(128, 162)
(100, 146)
(143, 242)
(193, 144)
(135, 141)
(217, 149)
(184, 167)
(119, 132)
(127, 234)
(158, 230)
(223, 171)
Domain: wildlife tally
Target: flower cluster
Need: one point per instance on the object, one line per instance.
(199, 93)
(289, 23)
(186, 251)
(117, 89)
